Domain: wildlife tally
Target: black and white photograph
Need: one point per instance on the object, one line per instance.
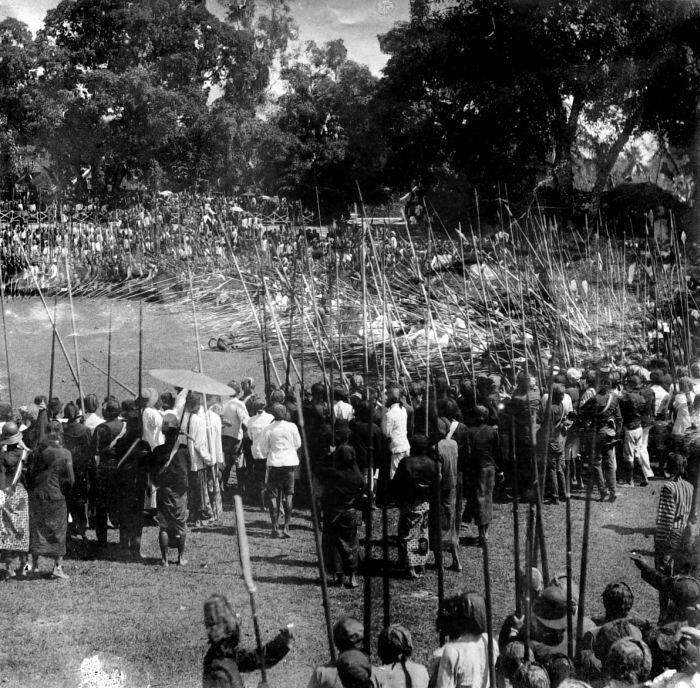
(350, 343)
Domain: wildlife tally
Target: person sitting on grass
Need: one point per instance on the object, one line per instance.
(170, 470)
(628, 663)
(224, 661)
(355, 670)
(395, 647)
(463, 660)
(348, 634)
(531, 675)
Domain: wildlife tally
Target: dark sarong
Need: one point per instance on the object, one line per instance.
(172, 512)
(48, 522)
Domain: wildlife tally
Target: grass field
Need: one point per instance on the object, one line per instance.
(152, 618)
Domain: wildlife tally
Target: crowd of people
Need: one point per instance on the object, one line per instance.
(440, 457)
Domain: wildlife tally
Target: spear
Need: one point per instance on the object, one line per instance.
(75, 339)
(109, 354)
(52, 321)
(110, 376)
(317, 535)
(53, 346)
(244, 553)
(4, 331)
(141, 362)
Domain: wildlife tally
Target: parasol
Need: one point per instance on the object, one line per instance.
(191, 380)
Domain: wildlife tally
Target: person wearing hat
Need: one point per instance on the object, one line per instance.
(602, 415)
(151, 417)
(104, 438)
(169, 474)
(633, 407)
(672, 514)
(345, 497)
(411, 489)
(549, 618)
(256, 461)
(78, 441)
(90, 406)
(394, 649)
(279, 444)
(348, 634)
(225, 661)
(234, 421)
(49, 477)
(14, 501)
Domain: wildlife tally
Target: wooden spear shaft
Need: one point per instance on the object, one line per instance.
(317, 534)
(75, 339)
(53, 347)
(126, 388)
(109, 355)
(4, 332)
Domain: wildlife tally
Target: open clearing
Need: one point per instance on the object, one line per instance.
(152, 617)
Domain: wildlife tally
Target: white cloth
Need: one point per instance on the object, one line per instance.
(464, 663)
(279, 443)
(214, 430)
(256, 426)
(660, 396)
(683, 420)
(194, 425)
(153, 427)
(343, 411)
(92, 420)
(395, 427)
(235, 415)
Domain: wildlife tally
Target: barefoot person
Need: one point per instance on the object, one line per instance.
(279, 444)
(49, 477)
(169, 475)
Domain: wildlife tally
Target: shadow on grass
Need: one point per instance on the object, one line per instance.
(91, 551)
(218, 530)
(282, 560)
(624, 530)
(287, 580)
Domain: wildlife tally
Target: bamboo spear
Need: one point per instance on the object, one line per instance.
(4, 332)
(109, 354)
(317, 536)
(75, 339)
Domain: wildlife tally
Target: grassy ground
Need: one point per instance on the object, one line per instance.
(151, 618)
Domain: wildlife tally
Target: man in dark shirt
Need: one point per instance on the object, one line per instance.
(633, 407)
(169, 474)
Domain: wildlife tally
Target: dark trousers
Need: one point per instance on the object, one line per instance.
(101, 518)
(556, 479)
(340, 542)
(605, 467)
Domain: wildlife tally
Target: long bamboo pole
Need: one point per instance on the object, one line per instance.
(4, 333)
(317, 535)
(75, 338)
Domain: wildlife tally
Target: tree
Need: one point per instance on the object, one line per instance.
(126, 88)
(333, 143)
(502, 90)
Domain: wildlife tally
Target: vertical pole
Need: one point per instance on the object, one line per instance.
(4, 332)
(53, 345)
(317, 535)
(109, 355)
(75, 339)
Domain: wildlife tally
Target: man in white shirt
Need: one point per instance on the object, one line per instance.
(152, 418)
(279, 444)
(193, 434)
(234, 418)
(90, 405)
(395, 428)
(341, 409)
(256, 425)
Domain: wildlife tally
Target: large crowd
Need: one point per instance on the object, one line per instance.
(440, 456)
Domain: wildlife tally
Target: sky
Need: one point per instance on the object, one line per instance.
(357, 22)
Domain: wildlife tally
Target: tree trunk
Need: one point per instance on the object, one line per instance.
(564, 156)
(608, 162)
(693, 230)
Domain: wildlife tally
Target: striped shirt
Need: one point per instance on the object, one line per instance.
(675, 505)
